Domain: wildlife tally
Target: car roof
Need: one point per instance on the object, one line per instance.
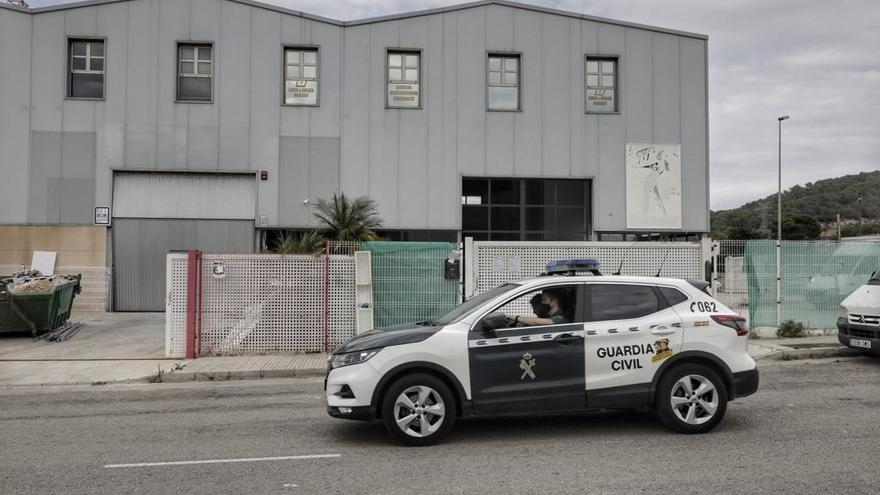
(600, 279)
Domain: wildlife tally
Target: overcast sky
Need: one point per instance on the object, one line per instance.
(813, 59)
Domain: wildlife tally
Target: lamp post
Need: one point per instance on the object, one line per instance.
(779, 230)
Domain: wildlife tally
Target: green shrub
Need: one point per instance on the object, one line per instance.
(790, 329)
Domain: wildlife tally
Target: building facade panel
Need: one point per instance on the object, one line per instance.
(15, 90)
(411, 161)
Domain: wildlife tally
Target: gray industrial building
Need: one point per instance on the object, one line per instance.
(208, 123)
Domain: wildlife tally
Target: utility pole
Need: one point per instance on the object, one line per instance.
(779, 230)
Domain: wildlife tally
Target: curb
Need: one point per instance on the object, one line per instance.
(789, 354)
(183, 376)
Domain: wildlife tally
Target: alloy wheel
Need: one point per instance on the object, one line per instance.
(694, 399)
(419, 411)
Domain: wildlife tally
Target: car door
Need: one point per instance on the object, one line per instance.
(631, 331)
(530, 368)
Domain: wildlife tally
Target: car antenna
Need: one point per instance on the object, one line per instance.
(662, 263)
(621, 263)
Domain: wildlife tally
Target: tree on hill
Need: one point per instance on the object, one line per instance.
(821, 200)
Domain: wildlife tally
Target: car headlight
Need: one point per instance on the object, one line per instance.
(842, 312)
(349, 358)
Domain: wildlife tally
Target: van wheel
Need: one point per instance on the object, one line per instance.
(691, 398)
(418, 409)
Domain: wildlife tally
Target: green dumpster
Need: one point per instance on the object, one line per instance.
(9, 322)
(41, 311)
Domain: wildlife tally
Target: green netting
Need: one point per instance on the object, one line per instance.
(816, 276)
(408, 283)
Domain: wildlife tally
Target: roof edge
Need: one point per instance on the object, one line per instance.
(391, 17)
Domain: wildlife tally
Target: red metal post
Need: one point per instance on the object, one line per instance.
(192, 262)
(326, 294)
(199, 303)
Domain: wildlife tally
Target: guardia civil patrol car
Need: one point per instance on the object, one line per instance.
(589, 342)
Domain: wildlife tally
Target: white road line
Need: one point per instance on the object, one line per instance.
(222, 461)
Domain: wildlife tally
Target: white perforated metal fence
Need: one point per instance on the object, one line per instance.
(492, 263)
(265, 303)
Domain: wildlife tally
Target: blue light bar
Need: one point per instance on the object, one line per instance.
(573, 266)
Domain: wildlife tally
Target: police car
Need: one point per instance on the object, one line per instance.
(570, 340)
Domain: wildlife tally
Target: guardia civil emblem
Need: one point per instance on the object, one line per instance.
(526, 364)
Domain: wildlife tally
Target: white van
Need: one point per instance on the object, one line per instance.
(858, 323)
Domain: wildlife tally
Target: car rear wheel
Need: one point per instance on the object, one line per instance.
(691, 398)
(418, 409)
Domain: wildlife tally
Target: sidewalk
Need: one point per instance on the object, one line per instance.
(127, 348)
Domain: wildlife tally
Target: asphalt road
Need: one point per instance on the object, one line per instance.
(813, 427)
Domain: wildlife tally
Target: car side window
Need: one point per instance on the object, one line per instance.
(555, 305)
(673, 296)
(622, 301)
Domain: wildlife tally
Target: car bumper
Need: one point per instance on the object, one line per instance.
(745, 383)
(847, 331)
(349, 391)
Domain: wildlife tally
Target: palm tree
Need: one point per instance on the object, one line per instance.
(345, 219)
(307, 243)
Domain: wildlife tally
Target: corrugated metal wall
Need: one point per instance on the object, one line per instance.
(184, 195)
(155, 213)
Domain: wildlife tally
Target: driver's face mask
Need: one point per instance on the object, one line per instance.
(542, 309)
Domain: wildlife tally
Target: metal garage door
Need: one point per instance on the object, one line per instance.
(155, 213)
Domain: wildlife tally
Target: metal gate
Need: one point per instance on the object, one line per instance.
(155, 213)
(489, 264)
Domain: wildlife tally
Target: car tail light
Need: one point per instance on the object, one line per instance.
(737, 323)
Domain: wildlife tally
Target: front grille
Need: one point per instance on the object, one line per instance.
(864, 334)
(872, 320)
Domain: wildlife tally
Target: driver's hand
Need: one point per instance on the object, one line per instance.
(509, 320)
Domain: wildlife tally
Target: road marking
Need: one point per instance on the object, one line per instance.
(223, 461)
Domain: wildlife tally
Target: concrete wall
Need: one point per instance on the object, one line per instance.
(410, 161)
(75, 245)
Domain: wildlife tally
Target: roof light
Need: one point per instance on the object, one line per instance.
(572, 266)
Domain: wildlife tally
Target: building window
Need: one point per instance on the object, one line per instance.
(525, 209)
(86, 69)
(601, 82)
(195, 72)
(300, 76)
(404, 79)
(503, 82)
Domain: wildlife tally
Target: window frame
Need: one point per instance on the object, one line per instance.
(177, 74)
(69, 65)
(618, 103)
(301, 49)
(403, 52)
(519, 79)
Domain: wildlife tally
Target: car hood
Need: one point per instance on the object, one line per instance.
(408, 333)
(864, 300)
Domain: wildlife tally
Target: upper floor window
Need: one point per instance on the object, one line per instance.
(503, 82)
(601, 79)
(86, 69)
(300, 76)
(195, 72)
(404, 79)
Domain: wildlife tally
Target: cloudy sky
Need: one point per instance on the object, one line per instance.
(813, 59)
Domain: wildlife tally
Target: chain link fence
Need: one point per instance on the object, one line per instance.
(815, 277)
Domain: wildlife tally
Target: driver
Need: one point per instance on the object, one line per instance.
(550, 310)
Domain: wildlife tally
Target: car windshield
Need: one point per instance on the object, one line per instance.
(875, 279)
(466, 307)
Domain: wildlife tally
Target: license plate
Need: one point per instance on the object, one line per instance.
(865, 344)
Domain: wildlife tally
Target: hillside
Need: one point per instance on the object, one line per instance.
(819, 201)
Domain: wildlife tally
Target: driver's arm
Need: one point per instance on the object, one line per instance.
(533, 321)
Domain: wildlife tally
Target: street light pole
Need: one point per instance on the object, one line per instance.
(779, 231)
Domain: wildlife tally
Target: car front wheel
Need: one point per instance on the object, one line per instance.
(691, 398)
(418, 409)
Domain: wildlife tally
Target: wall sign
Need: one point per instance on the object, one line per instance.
(653, 186)
(102, 215)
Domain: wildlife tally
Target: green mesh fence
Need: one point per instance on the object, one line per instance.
(816, 276)
(408, 283)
